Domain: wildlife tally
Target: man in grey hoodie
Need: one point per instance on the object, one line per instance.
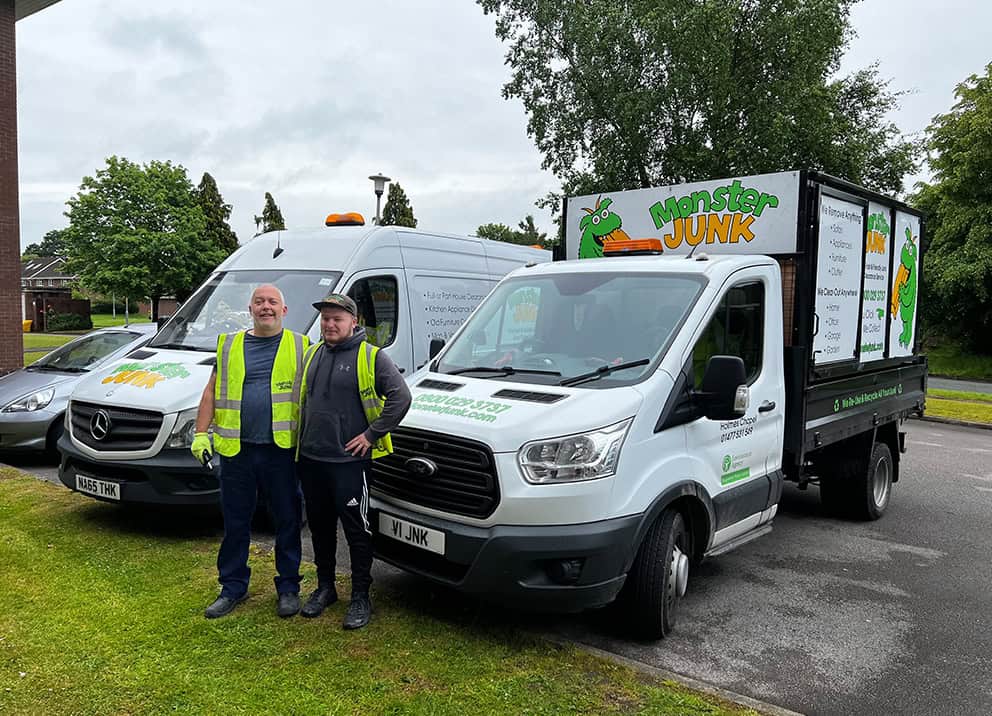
(352, 397)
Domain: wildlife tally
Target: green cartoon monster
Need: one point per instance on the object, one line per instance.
(904, 294)
(599, 226)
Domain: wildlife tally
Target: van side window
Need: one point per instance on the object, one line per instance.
(736, 329)
(377, 298)
(514, 324)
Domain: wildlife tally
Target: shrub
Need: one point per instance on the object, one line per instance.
(68, 322)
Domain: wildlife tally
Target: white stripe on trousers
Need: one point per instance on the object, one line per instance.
(364, 509)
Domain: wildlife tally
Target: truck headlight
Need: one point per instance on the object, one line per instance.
(182, 434)
(32, 402)
(572, 458)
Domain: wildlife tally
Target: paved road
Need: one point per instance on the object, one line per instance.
(968, 385)
(822, 616)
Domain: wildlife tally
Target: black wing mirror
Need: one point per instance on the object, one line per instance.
(435, 347)
(724, 394)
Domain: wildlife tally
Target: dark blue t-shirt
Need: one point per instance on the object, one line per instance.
(256, 395)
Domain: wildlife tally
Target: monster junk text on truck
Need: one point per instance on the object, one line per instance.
(597, 427)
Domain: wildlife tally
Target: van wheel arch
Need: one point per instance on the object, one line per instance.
(690, 499)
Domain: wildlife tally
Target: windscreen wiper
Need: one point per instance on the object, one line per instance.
(180, 347)
(505, 370)
(603, 370)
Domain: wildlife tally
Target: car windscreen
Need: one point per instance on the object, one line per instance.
(81, 354)
(221, 306)
(554, 328)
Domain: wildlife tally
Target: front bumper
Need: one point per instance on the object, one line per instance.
(512, 564)
(26, 430)
(171, 477)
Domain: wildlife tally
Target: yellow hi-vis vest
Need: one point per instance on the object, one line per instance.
(372, 402)
(287, 377)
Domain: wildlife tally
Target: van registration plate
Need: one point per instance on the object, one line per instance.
(413, 534)
(98, 488)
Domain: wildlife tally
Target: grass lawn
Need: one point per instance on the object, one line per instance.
(952, 361)
(50, 341)
(974, 411)
(105, 320)
(101, 612)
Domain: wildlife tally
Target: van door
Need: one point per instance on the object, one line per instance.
(738, 460)
(380, 295)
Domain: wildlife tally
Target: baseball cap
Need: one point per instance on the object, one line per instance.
(337, 300)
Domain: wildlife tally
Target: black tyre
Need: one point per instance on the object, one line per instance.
(859, 490)
(55, 432)
(658, 578)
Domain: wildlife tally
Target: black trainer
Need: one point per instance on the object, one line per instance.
(289, 604)
(359, 612)
(321, 598)
(223, 606)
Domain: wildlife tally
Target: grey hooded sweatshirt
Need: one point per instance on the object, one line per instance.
(332, 408)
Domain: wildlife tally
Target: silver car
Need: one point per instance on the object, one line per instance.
(33, 400)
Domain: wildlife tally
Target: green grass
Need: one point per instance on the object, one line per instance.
(45, 340)
(953, 361)
(960, 395)
(106, 320)
(101, 612)
(968, 411)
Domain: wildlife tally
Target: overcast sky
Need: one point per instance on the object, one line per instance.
(306, 99)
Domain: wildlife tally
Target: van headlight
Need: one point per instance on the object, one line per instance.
(572, 458)
(182, 435)
(32, 402)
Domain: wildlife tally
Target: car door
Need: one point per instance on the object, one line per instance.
(380, 298)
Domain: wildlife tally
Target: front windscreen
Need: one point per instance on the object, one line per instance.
(82, 353)
(221, 306)
(553, 328)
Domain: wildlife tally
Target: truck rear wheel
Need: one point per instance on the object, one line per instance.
(857, 489)
(659, 576)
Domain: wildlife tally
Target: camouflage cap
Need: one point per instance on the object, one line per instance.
(337, 300)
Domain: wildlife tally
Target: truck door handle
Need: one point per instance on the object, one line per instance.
(766, 406)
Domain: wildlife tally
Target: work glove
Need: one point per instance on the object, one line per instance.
(202, 449)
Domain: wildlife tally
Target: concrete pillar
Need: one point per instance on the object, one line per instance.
(11, 340)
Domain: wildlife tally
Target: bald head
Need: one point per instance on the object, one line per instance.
(267, 309)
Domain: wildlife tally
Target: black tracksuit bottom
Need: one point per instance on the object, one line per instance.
(333, 491)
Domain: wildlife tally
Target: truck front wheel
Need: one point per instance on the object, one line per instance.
(658, 578)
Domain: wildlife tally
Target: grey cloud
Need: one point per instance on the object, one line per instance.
(170, 33)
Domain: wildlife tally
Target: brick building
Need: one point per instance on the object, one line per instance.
(11, 343)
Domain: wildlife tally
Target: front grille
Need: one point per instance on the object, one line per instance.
(130, 429)
(465, 482)
(107, 470)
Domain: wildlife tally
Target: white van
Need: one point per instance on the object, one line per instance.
(597, 426)
(129, 426)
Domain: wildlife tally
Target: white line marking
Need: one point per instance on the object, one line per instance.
(986, 478)
(920, 442)
(983, 489)
(981, 450)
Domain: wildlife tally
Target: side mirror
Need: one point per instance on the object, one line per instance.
(436, 345)
(161, 321)
(724, 394)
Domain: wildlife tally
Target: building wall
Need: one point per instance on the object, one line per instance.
(11, 341)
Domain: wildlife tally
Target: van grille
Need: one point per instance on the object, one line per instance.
(130, 429)
(465, 482)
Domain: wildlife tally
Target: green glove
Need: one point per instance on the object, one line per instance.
(202, 449)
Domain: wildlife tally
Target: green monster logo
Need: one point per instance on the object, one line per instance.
(727, 462)
(599, 226)
(904, 295)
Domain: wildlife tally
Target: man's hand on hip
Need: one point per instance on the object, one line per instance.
(358, 446)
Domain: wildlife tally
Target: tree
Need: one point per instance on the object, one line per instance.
(397, 211)
(139, 231)
(957, 266)
(51, 244)
(497, 232)
(216, 213)
(652, 92)
(528, 235)
(271, 218)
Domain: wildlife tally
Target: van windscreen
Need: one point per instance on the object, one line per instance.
(221, 306)
(553, 328)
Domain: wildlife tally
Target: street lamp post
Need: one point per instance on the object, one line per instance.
(380, 182)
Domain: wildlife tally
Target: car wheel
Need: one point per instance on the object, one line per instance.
(659, 576)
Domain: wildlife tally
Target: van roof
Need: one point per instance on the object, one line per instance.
(700, 264)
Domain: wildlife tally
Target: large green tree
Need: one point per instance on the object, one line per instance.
(138, 230)
(216, 213)
(957, 267)
(271, 218)
(51, 244)
(398, 211)
(527, 233)
(623, 95)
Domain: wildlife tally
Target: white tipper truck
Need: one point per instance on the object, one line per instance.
(599, 426)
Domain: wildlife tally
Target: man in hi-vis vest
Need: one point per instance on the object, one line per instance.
(353, 396)
(253, 401)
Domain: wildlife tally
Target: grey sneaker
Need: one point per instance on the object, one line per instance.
(359, 612)
(289, 604)
(321, 598)
(223, 606)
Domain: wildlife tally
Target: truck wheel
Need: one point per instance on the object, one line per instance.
(659, 576)
(872, 488)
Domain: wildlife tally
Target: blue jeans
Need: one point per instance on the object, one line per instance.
(268, 470)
